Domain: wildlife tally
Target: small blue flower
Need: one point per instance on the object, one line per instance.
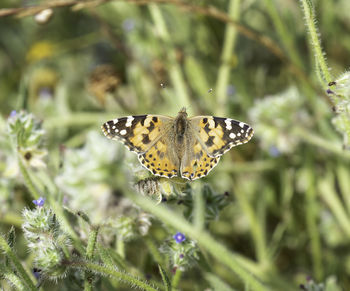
(230, 90)
(274, 151)
(45, 93)
(36, 273)
(179, 237)
(129, 24)
(13, 113)
(39, 202)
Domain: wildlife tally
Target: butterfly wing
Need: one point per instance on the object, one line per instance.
(149, 136)
(217, 135)
(213, 136)
(161, 159)
(196, 162)
(138, 133)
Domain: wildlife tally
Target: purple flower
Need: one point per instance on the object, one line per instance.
(13, 113)
(45, 93)
(230, 90)
(36, 273)
(274, 151)
(179, 237)
(39, 202)
(129, 24)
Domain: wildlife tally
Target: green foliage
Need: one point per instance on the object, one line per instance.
(79, 212)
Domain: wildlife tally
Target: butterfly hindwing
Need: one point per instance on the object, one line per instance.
(217, 135)
(159, 159)
(196, 163)
(138, 132)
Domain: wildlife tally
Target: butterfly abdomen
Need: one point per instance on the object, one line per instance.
(180, 127)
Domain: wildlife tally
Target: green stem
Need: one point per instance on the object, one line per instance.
(331, 198)
(110, 272)
(165, 278)
(154, 251)
(257, 225)
(311, 217)
(176, 278)
(217, 250)
(120, 247)
(76, 119)
(318, 141)
(89, 256)
(321, 63)
(12, 218)
(344, 184)
(28, 181)
(199, 207)
(226, 57)
(174, 69)
(66, 225)
(250, 167)
(91, 242)
(110, 257)
(284, 34)
(14, 281)
(17, 264)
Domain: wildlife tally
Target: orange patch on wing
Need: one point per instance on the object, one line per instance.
(213, 140)
(200, 165)
(158, 162)
(143, 135)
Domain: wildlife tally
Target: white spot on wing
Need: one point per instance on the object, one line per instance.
(241, 124)
(123, 132)
(115, 121)
(228, 124)
(129, 121)
(211, 123)
(232, 135)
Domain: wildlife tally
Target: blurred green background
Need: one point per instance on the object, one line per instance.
(287, 214)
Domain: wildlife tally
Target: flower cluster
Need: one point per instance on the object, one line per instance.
(311, 285)
(26, 136)
(339, 91)
(159, 188)
(183, 252)
(214, 202)
(46, 241)
(132, 221)
(83, 177)
(275, 116)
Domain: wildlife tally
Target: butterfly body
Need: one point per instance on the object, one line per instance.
(180, 146)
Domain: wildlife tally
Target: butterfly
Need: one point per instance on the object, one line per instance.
(180, 146)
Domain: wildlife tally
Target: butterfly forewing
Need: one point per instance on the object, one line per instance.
(138, 132)
(217, 135)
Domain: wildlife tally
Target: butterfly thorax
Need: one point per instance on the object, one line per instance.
(180, 126)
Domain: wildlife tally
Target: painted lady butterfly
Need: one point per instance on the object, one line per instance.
(180, 146)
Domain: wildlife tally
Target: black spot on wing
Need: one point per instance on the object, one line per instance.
(145, 139)
(206, 128)
(210, 141)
